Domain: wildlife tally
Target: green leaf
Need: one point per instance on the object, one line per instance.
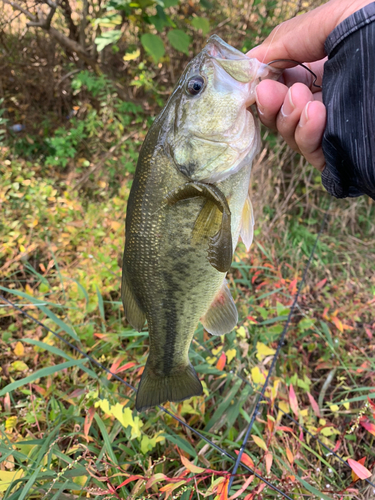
(206, 4)
(181, 443)
(201, 23)
(44, 372)
(58, 352)
(153, 45)
(170, 3)
(107, 38)
(179, 40)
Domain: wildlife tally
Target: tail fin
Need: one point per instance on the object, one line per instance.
(154, 390)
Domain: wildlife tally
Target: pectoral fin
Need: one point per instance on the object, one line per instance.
(222, 315)
(220, 247)
(135, 316)
(247, 223)
(207, 223)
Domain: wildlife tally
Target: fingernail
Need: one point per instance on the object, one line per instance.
(305, 115)
(288, 106)
(259, 106)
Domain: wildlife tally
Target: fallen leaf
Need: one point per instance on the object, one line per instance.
(366, 424)
(263, 351)
(358, 469)
(19, 350)
(222, 360)
(314, 405)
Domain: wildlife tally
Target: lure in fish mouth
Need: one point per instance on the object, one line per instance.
(188, 205)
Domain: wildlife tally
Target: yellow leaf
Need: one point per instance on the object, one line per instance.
(130, 56)
(19, 366)
(123, 415)
(35, 222)
(147, 443)
(346, 405)
(283, 405)
(22, 249)
(231, 354)
(259, 441)
(10, 423)
(216, 350)
(334, 408)
(7, 477)
(264, 351)
(257, 376)
(329, 431)
(116, 225)
(19, 350)
(241, 332)
(28, 288)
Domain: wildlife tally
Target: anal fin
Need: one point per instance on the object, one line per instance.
(247, 224)
(222, 315)
(135, 316)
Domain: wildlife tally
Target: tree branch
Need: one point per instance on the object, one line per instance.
(63, 40)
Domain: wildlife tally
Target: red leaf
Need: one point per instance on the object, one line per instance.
(222, 360)
(314, 405)
(338, 324)
(284, 428)
(290, 456)
(369, 426)
(88, 421)
(129, 480)
(293, 400)
(222, 490)
(359, 470)
(320, 284)
(293, 286)
(246, 459)
(372, 403)
(268, 458)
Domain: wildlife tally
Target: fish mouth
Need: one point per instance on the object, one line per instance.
(238, 65)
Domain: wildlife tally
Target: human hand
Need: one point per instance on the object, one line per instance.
(292, 105)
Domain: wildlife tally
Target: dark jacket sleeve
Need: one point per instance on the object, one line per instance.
(349, 96)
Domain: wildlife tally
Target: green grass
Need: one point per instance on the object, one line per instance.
(68, 429)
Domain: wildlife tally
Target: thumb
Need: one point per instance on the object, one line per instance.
(301, 38)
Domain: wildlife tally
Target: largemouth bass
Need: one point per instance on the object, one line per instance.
(187, 207)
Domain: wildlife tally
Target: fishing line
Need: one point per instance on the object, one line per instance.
(314, 436)
(99, 365)
(314, 84)
(278, 350)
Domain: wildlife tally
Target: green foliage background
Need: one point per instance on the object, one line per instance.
(74, 112)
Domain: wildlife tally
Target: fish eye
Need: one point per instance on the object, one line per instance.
(195, 85)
